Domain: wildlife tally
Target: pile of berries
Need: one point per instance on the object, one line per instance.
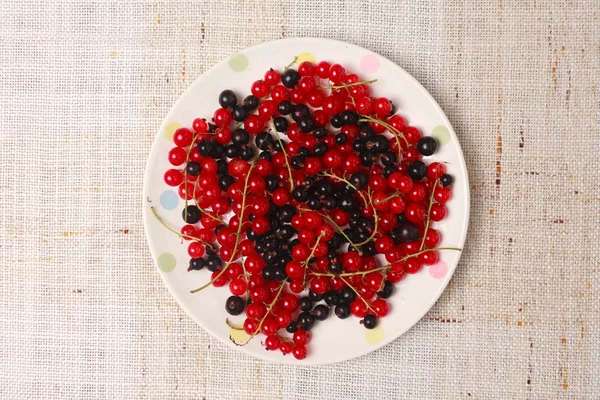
(291, 193)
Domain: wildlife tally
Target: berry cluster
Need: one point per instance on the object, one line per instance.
(290, 193)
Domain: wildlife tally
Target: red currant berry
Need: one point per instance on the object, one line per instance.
(183, 137)
(222, 117)
(254, 124)
(322, 69)
(286, 348)
(272, 342)
(382, 107)
(199, 125)
(429, 257)
(299, 352)
(173, 177)
(358, 308)
(381, 307)
(238, 286)
(319, 284)
(302, 337)
(306, 69)
(442, 194)
(177, 156)
(336, 73)
(272, 77)
(412, 134)
(259, 89)
(250, 326)
(412, 265)
(438, 212)
(256, 311)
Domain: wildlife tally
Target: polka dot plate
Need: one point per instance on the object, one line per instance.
(335, 340)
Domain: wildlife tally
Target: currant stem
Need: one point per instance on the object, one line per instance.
(290, 64)
(338, 227)
(358, 294)
(307, 261)
(233, 326)
(387, 198)
(394, 131)
(287, 160)
(384, 267)
(260, 324)
(237, 237)
(347, 85)
(181, 235)
(431, 201)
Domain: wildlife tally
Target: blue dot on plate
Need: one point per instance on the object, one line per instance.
(169, 200)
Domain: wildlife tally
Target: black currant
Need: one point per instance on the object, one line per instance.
(417, 170)
(290, 78)
(235, 305)
(370, 321)
(446, 180)
(227, 99)
(427, 145)
(191, 214)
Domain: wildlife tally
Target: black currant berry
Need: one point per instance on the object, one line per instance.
(342, 310)
(446, 180)
(370, 321)
(321, 312)
(227, 99)
(191, 214)
(427, 145)
(290, 78)
(417, 170)
(235, 305)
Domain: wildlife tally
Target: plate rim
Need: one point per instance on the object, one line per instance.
(308, 361)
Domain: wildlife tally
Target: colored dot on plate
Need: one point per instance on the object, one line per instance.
(166, 262)
(305, 56)
(438, 270)
(374, 335)
(169, 200)
(441, 133)
(238, 335)
(369, 64)
(170, 129)
(238, 62)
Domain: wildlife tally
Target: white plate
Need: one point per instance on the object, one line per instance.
(333, 340)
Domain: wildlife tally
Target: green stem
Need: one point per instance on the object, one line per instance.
(347, 85)
(237, 236)
(307, 261)
(287, 160)
(384, 267)
(260, 324)
(394, 131)
(181, 235)
(358, 294)
(290, 64)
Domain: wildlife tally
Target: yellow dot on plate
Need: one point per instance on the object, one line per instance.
(374, 335)
(441, 133)
(238, 335)
(305, 56)
(166, 262)
(170, 129)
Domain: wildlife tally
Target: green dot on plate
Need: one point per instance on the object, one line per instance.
(441, 133)
(166, 262)
(238, 62)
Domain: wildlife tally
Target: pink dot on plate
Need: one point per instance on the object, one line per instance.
(438, 270)
(369, 64)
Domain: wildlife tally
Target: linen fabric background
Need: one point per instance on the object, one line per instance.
(83, 89)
